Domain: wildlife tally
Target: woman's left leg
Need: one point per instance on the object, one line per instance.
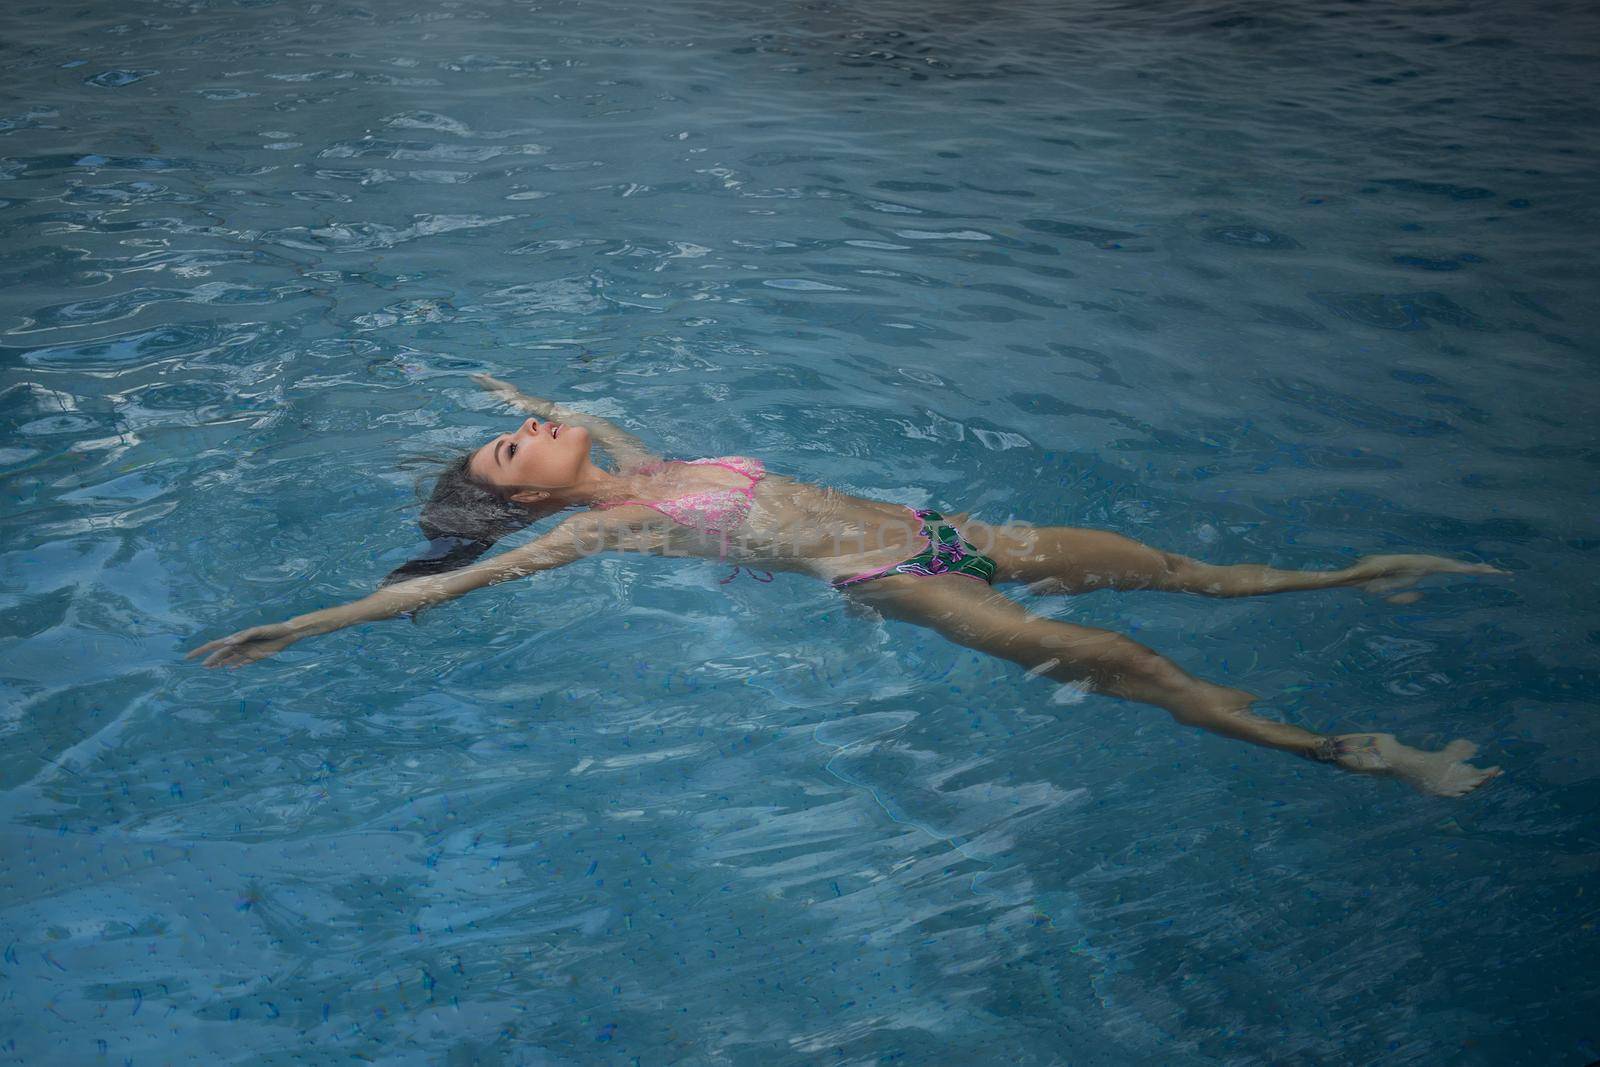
(972, 614)
(1066, 559)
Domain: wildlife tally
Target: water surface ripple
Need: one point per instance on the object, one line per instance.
(1288, 284)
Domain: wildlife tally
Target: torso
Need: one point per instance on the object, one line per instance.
(787, 525)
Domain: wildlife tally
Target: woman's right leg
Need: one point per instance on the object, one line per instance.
(971, 613)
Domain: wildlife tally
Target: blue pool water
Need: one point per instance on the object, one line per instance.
(1287, 284)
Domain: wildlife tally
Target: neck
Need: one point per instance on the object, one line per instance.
(596, 486)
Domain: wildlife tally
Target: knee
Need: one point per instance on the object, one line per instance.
(1108, 659)
(1131, 658)
(1216, 708)
(1177, 573)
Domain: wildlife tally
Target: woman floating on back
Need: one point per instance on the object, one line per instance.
(915, 565)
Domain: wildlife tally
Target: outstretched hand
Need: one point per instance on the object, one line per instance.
(247, 646)
(511, 394)
(494, 385)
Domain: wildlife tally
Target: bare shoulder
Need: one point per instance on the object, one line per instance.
(583, 534)
(621, 517)
(639, 462)
(627, 527)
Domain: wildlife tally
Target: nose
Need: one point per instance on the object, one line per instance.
(532, 426)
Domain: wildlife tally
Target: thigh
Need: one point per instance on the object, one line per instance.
(971, 613)
(1069, 559)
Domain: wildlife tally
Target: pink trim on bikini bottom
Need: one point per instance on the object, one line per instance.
(840, 583)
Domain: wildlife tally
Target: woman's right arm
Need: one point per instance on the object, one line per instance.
(582, 535)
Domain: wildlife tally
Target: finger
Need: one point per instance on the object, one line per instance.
(240, 657)
(218, 648)
(1461, 750)
(1405, 598)
(208, 646)
(221, 656)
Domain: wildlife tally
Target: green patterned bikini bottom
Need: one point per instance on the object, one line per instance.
(946, 553)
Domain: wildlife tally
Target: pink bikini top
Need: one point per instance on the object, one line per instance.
(713, 510)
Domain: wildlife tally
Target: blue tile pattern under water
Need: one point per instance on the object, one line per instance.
(1281, 283)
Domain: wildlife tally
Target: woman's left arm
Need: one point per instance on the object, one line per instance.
(627, 449)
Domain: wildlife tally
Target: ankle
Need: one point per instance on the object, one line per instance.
(1359, 753)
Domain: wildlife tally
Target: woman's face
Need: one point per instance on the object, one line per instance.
(535, 456)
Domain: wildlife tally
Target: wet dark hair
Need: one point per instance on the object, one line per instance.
(462, 519)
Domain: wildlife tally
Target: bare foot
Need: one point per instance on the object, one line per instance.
(1443, 774)
(1385, 575)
